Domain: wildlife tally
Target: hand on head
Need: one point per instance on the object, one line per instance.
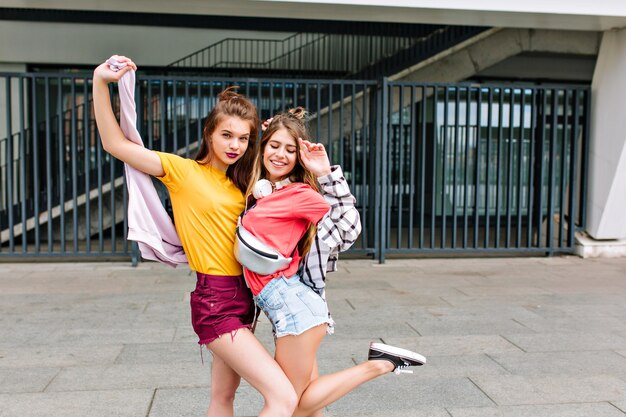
(266, 124)
(108, 73)
(314, 157)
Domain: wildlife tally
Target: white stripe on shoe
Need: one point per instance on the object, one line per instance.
(402, 353)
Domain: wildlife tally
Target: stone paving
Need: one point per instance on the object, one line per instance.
(540, 337)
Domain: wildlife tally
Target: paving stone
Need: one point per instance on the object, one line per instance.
(563, 363)
(410, 392)
(469, 326)
(601, 409)
(155, 353)
(13, 380)
(548, 389)
(454, 345)
(620, 405)
(554, 342)
(90, 336)
(113, 403)
(557, 324)
(131, 377)
(46, 355)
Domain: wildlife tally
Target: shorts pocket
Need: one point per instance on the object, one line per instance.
(274, 301)
(216, 294)
(314, 302)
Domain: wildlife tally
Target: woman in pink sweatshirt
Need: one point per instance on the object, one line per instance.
(207, 198)
(285, 220)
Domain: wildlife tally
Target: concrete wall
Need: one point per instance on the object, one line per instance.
(607, 158)
(551, 14)
(90, 44)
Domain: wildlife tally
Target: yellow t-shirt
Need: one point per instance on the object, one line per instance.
(206, 206)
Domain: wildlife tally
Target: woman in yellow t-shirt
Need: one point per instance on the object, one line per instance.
(207, 197)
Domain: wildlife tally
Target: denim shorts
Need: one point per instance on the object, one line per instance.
(291, 306)
(220, 305)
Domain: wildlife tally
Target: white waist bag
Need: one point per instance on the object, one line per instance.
(255, 255)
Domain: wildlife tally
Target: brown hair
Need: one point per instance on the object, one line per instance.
(231, 104)
(294, 121)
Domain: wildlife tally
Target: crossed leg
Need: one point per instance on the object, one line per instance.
(247, 357)
(296, 356)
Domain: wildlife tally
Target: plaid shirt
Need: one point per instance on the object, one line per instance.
(336, 232)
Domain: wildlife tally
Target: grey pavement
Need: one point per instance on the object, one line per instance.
(540, 337)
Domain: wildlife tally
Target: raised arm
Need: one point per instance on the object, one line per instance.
(113, 139)
(341, 226)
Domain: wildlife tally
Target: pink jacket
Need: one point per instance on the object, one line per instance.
(148, 222)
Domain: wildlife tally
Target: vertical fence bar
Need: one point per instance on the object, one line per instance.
(520, 168)
(87, 153)
(400, 186)
(468, 93)
(509, 170)
(36, 182)
(412, 158)
(488, 167)
(585, 160)
(48, 162)
(10, 179)
(531, 167)
(61, 154)
(74, 168)
(573, 171)
(564, 181)
(552, 169)
(433, 172)
(455, 162)
(381, 167)
(477, 166)
(22, 165)
(499, 162)
(444, 167)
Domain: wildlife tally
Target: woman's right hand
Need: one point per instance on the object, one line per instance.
(104, 72)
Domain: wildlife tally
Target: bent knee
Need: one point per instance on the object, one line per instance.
(285, 404)
(224, 394)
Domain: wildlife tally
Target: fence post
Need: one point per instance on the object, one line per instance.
(382, 141)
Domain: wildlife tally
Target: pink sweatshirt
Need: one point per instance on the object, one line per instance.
(148, 222)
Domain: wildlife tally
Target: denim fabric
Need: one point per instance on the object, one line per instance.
(291, 306)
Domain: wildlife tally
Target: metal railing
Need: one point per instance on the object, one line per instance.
(340, 55)
(483, 168)
(435, 168)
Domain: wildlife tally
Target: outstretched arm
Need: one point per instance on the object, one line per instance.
(113, 139)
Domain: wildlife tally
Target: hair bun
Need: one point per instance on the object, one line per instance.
(229, 94)
(298, 113)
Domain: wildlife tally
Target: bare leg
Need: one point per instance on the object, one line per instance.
(314, 375)
(224, 384)
(245, 355)
(296, 355)
(329, 388)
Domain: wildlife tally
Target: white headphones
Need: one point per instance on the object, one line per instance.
(263, 187)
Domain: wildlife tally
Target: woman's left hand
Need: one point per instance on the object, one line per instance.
(314, 158)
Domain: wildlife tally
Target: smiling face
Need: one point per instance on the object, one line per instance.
(229, 142)
(280, 155)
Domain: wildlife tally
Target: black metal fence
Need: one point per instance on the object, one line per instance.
(482, 168)
(337, 55)
(434, 168)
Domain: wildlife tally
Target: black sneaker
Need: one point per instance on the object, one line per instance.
(401, 358)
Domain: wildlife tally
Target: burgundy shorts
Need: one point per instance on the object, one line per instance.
(219, 305)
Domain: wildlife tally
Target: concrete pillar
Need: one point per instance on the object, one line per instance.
(606, 203)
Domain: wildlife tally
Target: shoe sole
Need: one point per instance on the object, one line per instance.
(401, 353)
